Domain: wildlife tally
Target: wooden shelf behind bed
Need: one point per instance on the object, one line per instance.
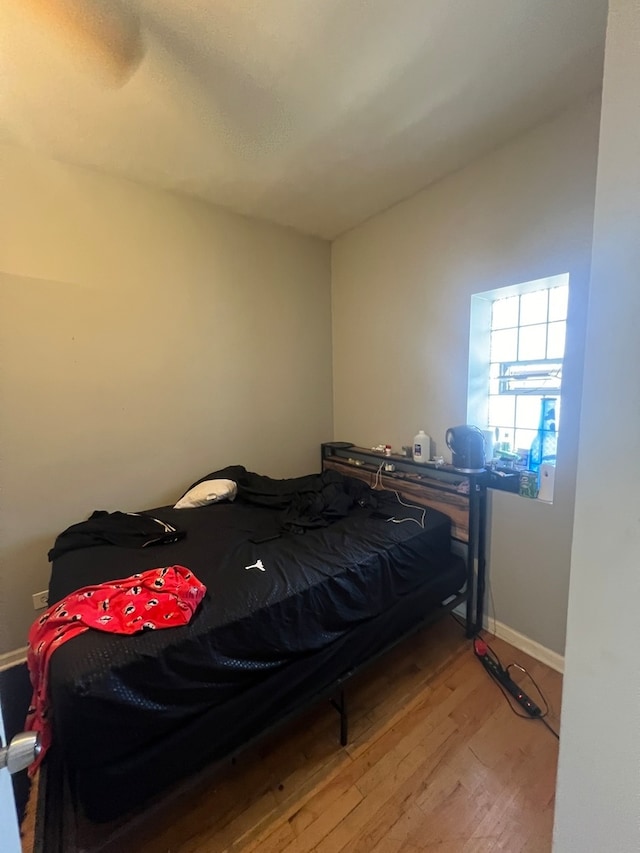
(426, 489)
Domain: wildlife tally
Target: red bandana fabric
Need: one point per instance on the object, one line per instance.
(159, 598)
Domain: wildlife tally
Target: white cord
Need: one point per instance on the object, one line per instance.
(377, 483)
(410, 506)
(376, 480)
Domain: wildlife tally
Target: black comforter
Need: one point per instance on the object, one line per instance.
(277, 620)
(307, 502)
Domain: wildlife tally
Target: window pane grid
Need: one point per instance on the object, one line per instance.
(534, 307)
(527, 348)
(558, 303)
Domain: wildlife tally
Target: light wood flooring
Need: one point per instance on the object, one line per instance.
(436, 761)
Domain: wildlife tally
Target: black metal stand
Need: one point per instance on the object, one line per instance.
(474, 513)
(482, 562)
(476, 553)
(340, 705)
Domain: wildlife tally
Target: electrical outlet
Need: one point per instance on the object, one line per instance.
(40, 599)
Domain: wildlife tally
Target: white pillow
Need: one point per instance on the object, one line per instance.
(208, 492)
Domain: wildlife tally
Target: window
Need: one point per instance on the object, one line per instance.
(516, 357)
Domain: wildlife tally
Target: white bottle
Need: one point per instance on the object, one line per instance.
(421, 447)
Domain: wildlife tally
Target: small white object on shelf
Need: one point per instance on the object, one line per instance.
(421, 447)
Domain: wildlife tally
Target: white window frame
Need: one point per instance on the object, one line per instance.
(479, 346)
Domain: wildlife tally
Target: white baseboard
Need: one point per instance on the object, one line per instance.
(519, 641)
(526, 645)
(9, 659)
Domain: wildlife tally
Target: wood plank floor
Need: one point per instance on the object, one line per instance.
(435, 761)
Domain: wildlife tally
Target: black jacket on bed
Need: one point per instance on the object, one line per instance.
(314, 500)
(307, 502)
(127, 529)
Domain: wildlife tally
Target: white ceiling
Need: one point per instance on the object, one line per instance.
(311, 113)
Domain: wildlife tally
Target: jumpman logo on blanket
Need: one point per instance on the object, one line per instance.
(256, 565)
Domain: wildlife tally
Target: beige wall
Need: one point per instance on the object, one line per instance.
(401, 286)
(598, 800)
(145, 339)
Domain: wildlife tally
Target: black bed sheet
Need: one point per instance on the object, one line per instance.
(132, 714)
(112, 694)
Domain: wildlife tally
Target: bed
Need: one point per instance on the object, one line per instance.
(297, 601)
